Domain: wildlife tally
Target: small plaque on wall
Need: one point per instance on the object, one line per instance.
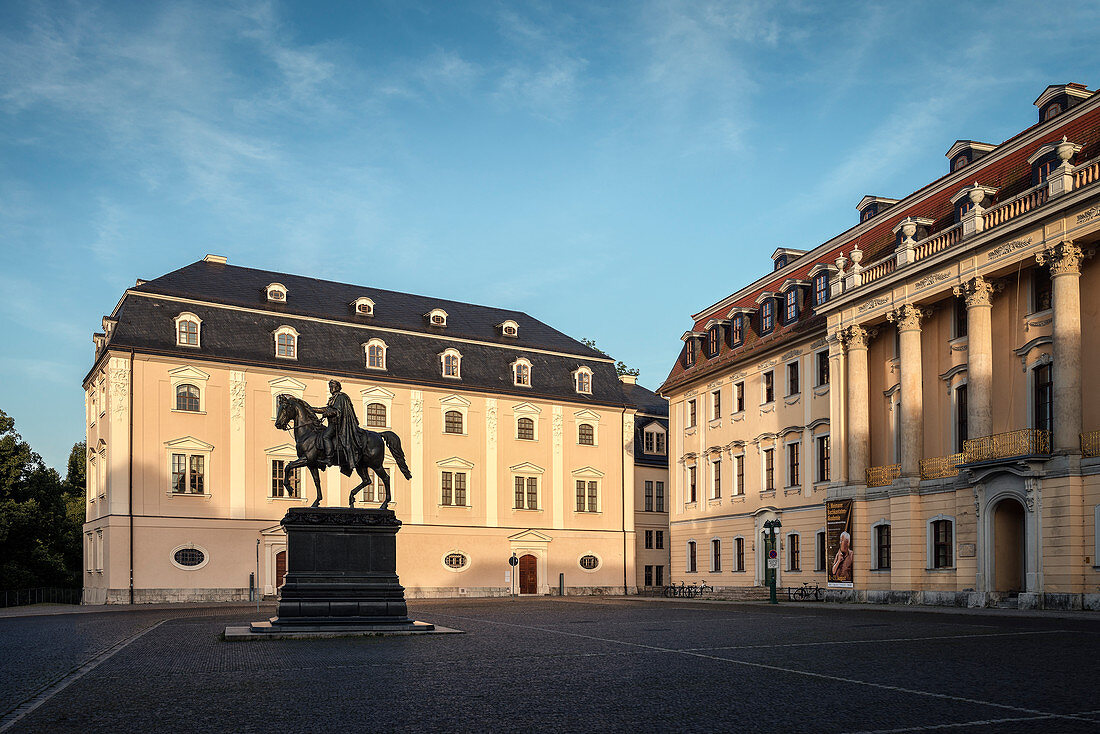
(967, 550)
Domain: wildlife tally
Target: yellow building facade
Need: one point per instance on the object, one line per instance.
(941, 350)
(520, 440)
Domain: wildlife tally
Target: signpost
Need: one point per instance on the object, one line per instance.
(513, 562)
(771, 544)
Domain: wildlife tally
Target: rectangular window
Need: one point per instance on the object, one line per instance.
(649, 540)
(179, 473)
(769, 387)
(650, 443)
(649, 575)
(447, 488)
(593, 497)
(739, 554)
(822, 458)
(960, 317)
(716, 555)
(739, 471)
(460, 489)
(767, 316)
(587, 496)
(659, 575)
(519, 493)
(960, 418)
(532, 493)
(285, 346)
(793, 476)
(792, 379)
(1041, 289)
(819, 564)
(198, 475)
(659, 499)
(716, 479)
(278, 472)
(690, 568)
(660, 539)
(580, 495)
(822, 368)
(712, 340)
(943, 551)
(794, 553)
(716, 405)
(882, 546)
(739, 397)
(691, 484)
(691, 414)
(649, 495)
(769, 470)
(821, 288)
(792, 306)
(1043, 406)
(737, 333)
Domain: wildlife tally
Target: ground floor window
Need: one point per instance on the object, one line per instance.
(794, 553)
(819, 560)
(716, 555)
(943, 543)
(649, 575)
(738, 554)
(453, 491)
(293, 478)
(882, 546)
(690, 565)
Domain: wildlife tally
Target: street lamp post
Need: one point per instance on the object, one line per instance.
(771, 545)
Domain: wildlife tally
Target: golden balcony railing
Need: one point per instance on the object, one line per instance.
(938, 467)
(880, 476)
(1025, 442)
(1090, 443)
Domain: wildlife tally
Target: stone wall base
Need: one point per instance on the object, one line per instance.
(161, 596)
(970, 599)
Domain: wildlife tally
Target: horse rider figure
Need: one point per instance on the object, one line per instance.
(340, 444)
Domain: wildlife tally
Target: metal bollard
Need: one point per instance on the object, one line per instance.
(561, 584)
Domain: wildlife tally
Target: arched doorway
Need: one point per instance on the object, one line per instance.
(280, 569)
(1009, 541)
(528, 575)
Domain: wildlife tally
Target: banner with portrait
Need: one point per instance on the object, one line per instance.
(840, 558)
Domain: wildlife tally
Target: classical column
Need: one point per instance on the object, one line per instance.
(1064, 260)
(838, 467)
(979, 355)
(908, 319)
(859, 422)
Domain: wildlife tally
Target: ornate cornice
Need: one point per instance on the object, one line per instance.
(1063, 258)
(857, 337)
(908, 317)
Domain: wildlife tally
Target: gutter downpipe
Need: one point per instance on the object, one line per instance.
(622, 423)
(130, 477)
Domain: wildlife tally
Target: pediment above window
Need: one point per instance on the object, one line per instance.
(454, 462)
(286, 383)
(527, 408)
(526, 468)
(588, 472)
(376, 392)
(529, 536)
(188, 372)
(189, 443)
(455, 400)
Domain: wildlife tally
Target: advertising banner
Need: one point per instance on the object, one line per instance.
(838, 539)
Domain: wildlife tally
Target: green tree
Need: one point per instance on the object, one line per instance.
(621, 368)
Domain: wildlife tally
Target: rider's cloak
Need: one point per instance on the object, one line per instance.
(341, 413)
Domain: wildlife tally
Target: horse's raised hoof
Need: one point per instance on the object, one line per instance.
(384, 505)
(351, 502)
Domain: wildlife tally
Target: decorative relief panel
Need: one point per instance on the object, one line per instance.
(930, 280)
(1006, 248)
(238, 390)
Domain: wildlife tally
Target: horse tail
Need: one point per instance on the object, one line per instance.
(394, 445)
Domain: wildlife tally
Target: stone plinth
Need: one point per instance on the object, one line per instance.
(341, 574)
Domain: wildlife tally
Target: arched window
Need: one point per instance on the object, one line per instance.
(689, 566)
(376, 354)
(187, 330)
(187, 398)
(286, 343)
(525, 429)
(452, 422)
(376, 415)
(452, 364)
(586, 436)
(521, 372)
(583, 378)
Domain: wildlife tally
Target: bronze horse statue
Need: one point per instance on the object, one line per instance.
(308, 433)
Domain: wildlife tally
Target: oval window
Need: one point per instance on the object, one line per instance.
(590, 562)
(455, 560)
(189, 557)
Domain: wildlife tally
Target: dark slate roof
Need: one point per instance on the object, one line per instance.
(237, 286)
(645, 400)
(147, 324)
(640, 456)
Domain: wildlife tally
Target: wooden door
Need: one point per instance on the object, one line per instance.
(280, 569)
(528, 575)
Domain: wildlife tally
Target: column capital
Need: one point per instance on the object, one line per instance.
(856, 336)
(1063, 258)
(977, 291)
(908, 317)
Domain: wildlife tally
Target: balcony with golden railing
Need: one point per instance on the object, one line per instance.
(1090, 444)
(940, 467)
(881, 476)
(1010, 445)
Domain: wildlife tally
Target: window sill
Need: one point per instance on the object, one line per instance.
(950, 569)
(587, 512)
(737, 498)
(206, 495)
(714, 502)
(288, 359)
(187, 346)
(589, 445)
(447, 433)
(767, 493)
(792, 490)
(189, 412)
(767, 407)
(285, 499)
(738, 416)
(689, 431)
(525, 509)
(793, 570)
(820, 390)
(376, 369)
(455, 507)
(880, 570)
(690, 505)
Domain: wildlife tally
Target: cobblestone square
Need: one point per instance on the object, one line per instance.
(574, 664)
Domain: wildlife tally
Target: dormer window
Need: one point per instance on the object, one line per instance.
(509, 328)
(582, 380)
(286, 343)
(961, 161)
(375, 351)
(790, 314)
(780, 262)
(767, 316)
(276, 293)
(964, 152)
(451, 360)
(1057, 98)
(869, 206)
(964, 199)
(521, 372)
(363, 306)
(1047, 158)
(821, 288)
(1052, 110)
(737, 330)
(713, 340)
(437, 317)
(784, 256)
(187, 330)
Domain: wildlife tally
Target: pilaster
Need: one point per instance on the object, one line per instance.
(416, 485)
(557, 475)
(978, 293)
(908, 319)
(238, 495)
(491, 489)
(859, 421)
(1064, 260)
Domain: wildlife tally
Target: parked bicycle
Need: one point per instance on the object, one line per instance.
(809, 591)
(688, 591)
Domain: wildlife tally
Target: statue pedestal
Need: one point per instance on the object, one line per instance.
(341, 575)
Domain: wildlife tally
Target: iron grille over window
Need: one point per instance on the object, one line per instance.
(590, 562)
(455, 560)
(189, 557)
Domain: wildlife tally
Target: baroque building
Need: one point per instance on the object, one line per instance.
(922, 371)
(521, 440)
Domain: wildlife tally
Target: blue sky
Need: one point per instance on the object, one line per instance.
(610, 168)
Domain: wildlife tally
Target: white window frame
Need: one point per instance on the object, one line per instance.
(188, 316)
(526, 470)
(590, 417)
(821, 563)
(375, 342)
(744, 553)
(188, 375)
(818, 479)
(764, 388)
(103, 390)
(817, 374)
(431, 315)
(454, 402)
(287, 330)
(505, 325)
(787, 374)
(787, 552)
(733, 398)
(276, 288)
(450, 352)
(654, 429)
(738, 490)
(764, 468)
(284, 385)
(930, 547)
(872, 541)
(788, 484)
(587, 474)
(286, 453)
(716, 404)
(101, 476)
(524, 362)
(363, 301)
(715, 477)
(689, 467)
(577, 383)
(456, 551)
(525, 410)
(455, 464)
(189, 446)
(189, 546)
(376, 394)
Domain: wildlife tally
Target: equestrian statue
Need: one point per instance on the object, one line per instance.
(339, 442)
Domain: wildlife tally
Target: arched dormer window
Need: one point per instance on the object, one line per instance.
(375, 351)
(436, 317)
(276, 292)
(363, 306)
(582, 380)
(521, 372)
(286, 343)
(187, 398)
(451, 361)
(188, 330)
(509, 328)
